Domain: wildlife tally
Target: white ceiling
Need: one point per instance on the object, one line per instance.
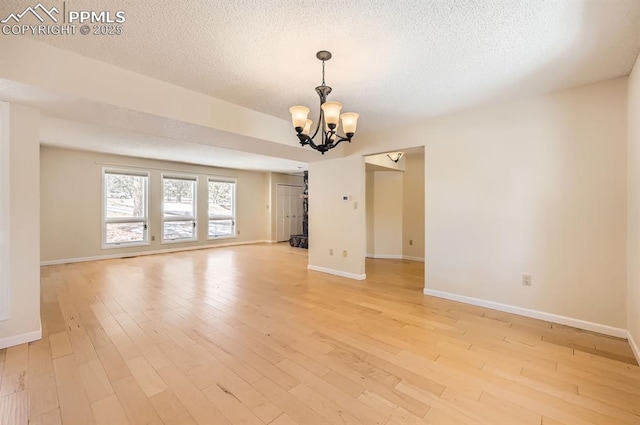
(394, 61)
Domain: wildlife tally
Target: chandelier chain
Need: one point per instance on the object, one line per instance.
(323, 73)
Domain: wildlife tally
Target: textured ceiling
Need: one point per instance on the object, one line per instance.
(394, 61)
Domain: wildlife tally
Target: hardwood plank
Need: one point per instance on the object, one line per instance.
(60, 344)
(137, 407)
(289, 404)
(230, 405)
(74, 403)
(248, 335)
(14, 408)
(43, 394)
(198, 406)
(167, 405)
(146, 376)
(109, 411)
(14, 374)
(95, 381)
(113, 363)
(50, 418)
(224, 377)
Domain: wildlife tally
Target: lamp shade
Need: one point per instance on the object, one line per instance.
(307, 127)
(332, 112)
(395, 156)
(349, 122)
(299, 116)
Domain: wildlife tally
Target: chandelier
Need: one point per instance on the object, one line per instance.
(328, 121)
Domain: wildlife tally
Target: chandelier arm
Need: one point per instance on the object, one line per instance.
(340, 140)
(309, 141)
(318, 124)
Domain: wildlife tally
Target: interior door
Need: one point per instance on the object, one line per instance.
(281, 202)
(296, 206)
(289, 211)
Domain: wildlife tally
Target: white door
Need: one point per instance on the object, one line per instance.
(289, 211)
(296, 210)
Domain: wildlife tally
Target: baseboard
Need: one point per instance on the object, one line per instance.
(137, 254)
(337, 272)
(385, 256)
(634, 346)
(410, 258)
(535, 314)
(21, 339)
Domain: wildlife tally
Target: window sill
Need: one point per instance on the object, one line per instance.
(124, 245)
(216, 238)
(173, 241)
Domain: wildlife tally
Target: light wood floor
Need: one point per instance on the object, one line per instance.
(247, 335)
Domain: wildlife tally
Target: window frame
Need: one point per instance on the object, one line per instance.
(233, 216)
(194, 219)
(144, 219)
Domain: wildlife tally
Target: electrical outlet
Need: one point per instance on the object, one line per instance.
(153, 238)
(410, 241)
(238, 231)
(330, 251)
(344, 253)
(526, 280)
(355, 205)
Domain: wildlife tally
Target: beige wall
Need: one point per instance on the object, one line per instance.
(274, 180)
(71, 213)
(536, 187)
(387, 216)
(22, 244)
(370, 213)
(413, 207)
(633, 207)
(334, 223)
(5, 225)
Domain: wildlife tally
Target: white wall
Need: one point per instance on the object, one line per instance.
(633, 208)
(71, 215)
(23, 324)
(413, 207)
(536, 187)
(387, 216)
(334, 223)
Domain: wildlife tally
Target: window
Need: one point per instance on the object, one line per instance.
(222, 209)
(179, 208)
(125, 208)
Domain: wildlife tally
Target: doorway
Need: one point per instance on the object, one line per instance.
(395, 200)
